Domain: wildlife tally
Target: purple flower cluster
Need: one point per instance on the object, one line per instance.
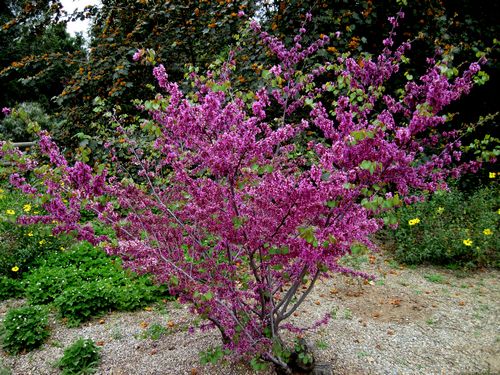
(241, 216)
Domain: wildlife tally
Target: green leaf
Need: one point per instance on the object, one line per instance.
(207, 296)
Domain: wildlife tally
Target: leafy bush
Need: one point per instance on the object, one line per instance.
(24, 329)
(450, 227)
(79, 303)
(83, 281)
(19, 126)
(80, 358)
(46, 283)
(10, 288)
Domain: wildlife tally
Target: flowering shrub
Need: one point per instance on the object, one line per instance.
(252, 197)
(452, 228)
(20, 245)
(24, 329)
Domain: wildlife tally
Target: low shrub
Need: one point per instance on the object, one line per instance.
(46, 283)
(83, 282)
(81, 358)
(10, 288)
(24, 329)
(451, 228)
(79, 303)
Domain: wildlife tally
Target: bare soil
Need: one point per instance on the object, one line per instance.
(423, 320)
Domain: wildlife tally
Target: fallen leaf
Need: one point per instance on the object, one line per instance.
(102, 321)
(461, 303)
(170, 324)
(100, 343)
(148, 308)
(317, 302)
(390, 332)
(396, 302)
(143, 324)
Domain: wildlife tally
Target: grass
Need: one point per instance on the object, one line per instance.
(435, 278)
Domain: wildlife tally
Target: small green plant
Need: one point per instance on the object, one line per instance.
(258, 364)
(322, 344)
(301, 355)
(24, 329)
(213, 355)
(334, 312)
(81, 358)
(154, 332)
(347, 314)
(435, 278)
(362, 354)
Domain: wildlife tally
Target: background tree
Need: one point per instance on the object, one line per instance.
(35, 47)
(179, 33)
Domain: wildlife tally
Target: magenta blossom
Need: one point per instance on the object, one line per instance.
(248, 199)
(138, 55)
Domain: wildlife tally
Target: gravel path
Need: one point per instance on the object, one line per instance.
(410, 321)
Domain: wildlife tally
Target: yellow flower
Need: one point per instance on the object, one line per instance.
(1, 191)
(440, 210)
(62, 248)
(414, 221)
(27, 207)
(467, 242)
(493, 174)
(10, 212)
(487, 232)
(41, 242)
(15, 269)
(30, 234)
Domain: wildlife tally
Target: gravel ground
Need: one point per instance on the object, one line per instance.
(410, 321)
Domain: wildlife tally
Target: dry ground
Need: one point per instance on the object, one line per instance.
(410, 321)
